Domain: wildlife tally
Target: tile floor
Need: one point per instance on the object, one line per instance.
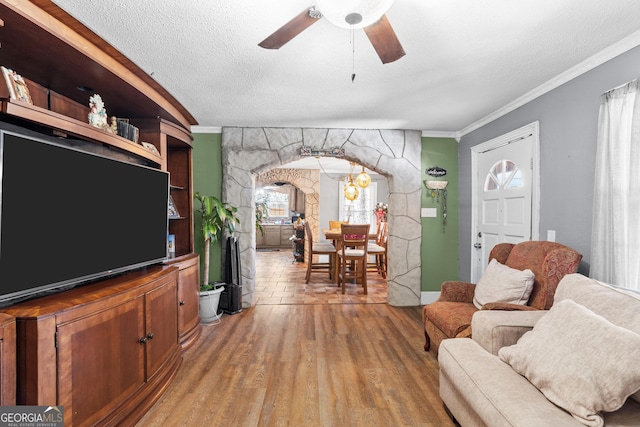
(280, 280)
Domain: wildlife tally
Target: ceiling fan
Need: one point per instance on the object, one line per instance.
(353, 14)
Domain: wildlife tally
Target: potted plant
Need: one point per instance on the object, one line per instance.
(216, 217)
(262, 213)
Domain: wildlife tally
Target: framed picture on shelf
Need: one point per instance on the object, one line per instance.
(18, 88)
(150, 147)
(171, 245)
(173, 211)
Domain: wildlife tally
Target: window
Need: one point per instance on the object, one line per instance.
(359, 211)
(503, 175)
(277, 203)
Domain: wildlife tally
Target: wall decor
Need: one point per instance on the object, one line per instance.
(436, 171)
(437, 190)
(332, 152)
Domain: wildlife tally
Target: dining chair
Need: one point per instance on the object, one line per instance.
(379, 251)
(316, 249)
(352, 256)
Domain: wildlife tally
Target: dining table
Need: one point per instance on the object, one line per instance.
(335, 235)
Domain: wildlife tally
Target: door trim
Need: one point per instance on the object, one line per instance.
(532, 129)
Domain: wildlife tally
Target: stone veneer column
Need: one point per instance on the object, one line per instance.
(247, 152)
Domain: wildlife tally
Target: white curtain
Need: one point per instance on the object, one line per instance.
(615, 243)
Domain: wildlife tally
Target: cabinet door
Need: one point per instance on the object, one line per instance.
(272, 236)
(7, 361)
(161, 318)
(100, 361)
(259, 237)
(286, 231)
(188, 299)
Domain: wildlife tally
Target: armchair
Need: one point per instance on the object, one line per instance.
(450, 316)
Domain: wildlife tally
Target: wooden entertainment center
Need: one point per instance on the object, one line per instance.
(106, 350)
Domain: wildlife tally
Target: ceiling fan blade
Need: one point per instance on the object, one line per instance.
(384, 40)
(288, 31)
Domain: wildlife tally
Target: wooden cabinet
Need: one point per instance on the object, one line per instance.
(188, 299)
(272, 235)
(275, 236)
(260, 237)
(286, 231)
(103, 351)
(7, 360)
(106, 350)
(174, 144)
(117, 371)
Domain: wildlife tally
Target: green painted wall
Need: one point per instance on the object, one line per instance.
(207, 180)
(440, 245)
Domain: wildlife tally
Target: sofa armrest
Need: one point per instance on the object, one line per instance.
(496, 329)
(455, 291)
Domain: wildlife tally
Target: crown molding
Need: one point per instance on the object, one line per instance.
(624, 45)
(440, 134)
(206, 129)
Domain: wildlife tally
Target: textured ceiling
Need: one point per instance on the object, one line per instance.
(465, 58)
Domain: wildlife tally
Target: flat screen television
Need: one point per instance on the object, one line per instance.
(69, 216)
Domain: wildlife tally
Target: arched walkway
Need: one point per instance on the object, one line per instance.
(247, 152)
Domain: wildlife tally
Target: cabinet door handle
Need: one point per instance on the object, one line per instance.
(142, 340)
(182, 302)
(150, 335)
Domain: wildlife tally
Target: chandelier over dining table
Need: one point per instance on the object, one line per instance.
(351, 190)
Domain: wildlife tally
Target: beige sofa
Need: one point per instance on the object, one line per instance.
(586, 345)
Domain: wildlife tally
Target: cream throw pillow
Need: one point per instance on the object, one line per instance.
(500, 283)
(579, 361)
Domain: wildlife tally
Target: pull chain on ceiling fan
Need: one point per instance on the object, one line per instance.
(366, 14)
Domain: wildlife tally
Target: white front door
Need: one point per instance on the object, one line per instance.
(503, 200)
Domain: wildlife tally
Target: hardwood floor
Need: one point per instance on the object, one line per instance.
(304, 363)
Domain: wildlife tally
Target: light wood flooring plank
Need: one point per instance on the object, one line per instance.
(307, 365)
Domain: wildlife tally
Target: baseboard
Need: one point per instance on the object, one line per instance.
(427, 297)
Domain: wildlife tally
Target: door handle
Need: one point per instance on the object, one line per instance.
(477, 245)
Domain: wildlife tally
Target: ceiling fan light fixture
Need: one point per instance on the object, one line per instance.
(353, 13)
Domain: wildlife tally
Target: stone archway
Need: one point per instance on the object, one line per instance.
(247, 152)
(307, 181)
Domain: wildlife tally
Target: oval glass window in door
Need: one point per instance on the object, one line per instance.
(503, 175)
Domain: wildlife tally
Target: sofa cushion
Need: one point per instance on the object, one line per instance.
(619, 306)
(450, 317)
(579, 360)
(500, 283)
(481, 390)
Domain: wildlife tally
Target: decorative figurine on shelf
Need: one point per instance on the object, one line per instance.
(97, 113)
(113, 128)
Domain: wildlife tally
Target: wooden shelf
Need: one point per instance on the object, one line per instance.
(43, 43)
(75, 127)
(57, 55)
